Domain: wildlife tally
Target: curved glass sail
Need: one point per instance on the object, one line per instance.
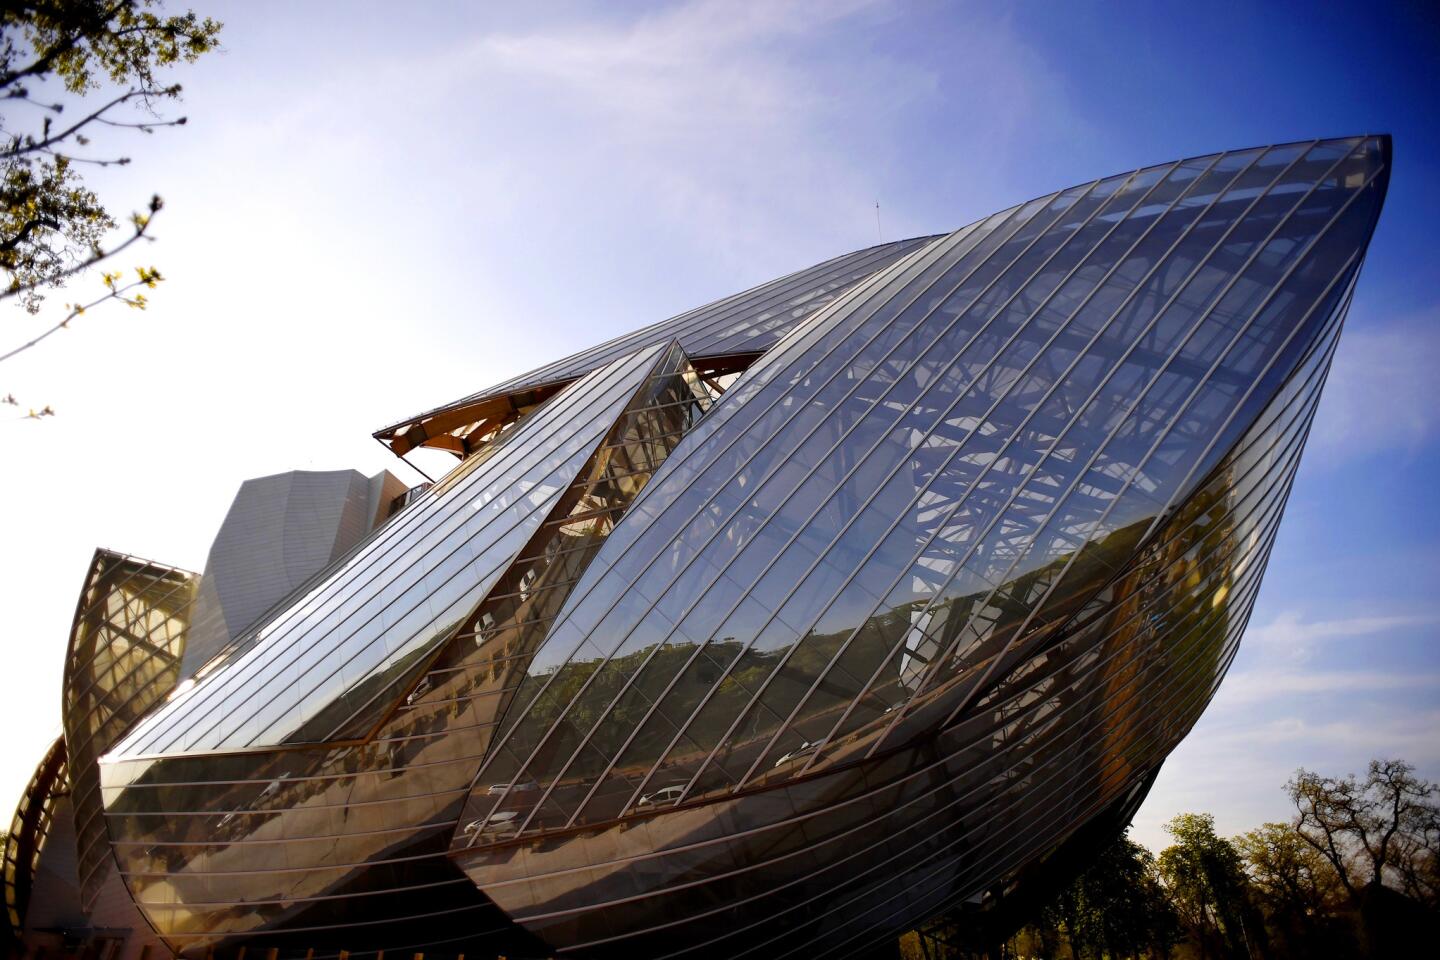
(744, 324)
(308, 669)
(901, 503)
(369, 813)
(782, 654)
(124, 657)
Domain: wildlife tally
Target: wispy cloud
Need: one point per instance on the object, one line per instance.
(1382, 394)
(726, 119)
(1290, 635)
(1236, 766)
(1266, 685)
(754, 125)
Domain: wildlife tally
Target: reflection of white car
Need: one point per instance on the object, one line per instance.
(499, 789)
(272, 788)
(421, 688)
(670, 794)
(804, 749)
(503, 823)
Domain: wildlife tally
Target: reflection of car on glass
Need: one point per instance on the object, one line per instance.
(500, 789)
(670, 794)
(421, 688)
(271, 788)
(805, 749)
(502, 823)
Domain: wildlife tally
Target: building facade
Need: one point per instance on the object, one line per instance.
(783, 625)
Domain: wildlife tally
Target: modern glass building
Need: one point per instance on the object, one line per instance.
(778, 627)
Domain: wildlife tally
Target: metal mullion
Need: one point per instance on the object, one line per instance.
(86, 610)
(1341, 309)
(524, 596)
(1064, 495)
(582, 517)
(1269, 508)
(1083, 407)
(642, 444)
(650, 408)
(1160, 438)
(616, 380)
(612, 477)
(295, 780)
(899, 418)
(405, 711)
(413, 737)
(90, 739)
(287, 870)
(800, 331)
(744, 310)
(1275, 491)
(772, 890)
(957, 445)
(108, 632)
(399, 541)
(86, 751)
(622, 441)
(917, 269)
(875, 254)
(561, 554)
(862, 458)
(1152, 735)
(136, 642)
(307, 778)
(140, 568)
(735, 306)
(214, 904)
(505, 459)
(1092, 708)
(415, 524)
(1095, 708)
(1062, 498)
(334, 926)
(506, 625)
(762, 865)
(1008, 646)
(275, 841)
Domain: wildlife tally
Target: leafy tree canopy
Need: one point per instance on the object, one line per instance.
(72, 71)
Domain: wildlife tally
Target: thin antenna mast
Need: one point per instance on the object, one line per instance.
(878, 236)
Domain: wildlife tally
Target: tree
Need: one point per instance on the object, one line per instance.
(54, 54)
(1206, 880)
(1381, 835)
(1122, 909)
(1297, 889)
(1382, 831)
(1115, 908)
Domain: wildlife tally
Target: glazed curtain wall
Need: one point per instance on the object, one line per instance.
(743, 323)
(126, 644)
(939, 579)
(983, 442)
(1044, 382)
(344, 846)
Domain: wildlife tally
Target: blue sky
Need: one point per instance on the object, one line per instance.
(372, 212)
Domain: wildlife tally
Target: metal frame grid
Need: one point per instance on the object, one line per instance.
(123, 658)
(1272, 253)
(957, 556)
